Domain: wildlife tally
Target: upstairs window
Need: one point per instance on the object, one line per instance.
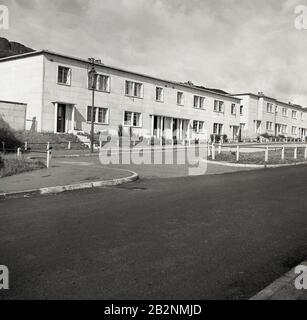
(159, 94)
(199, 102)
(233, 109)
(269, 107)
(294, 130)
(180, 98)
(219, 106)
(64, 76)
(133, 119)
(294, 114)
(284, 128)
(102, 83)
(284, 112)
(241, 110)
(134, 89)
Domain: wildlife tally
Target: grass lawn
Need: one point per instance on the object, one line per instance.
(258, 157)
(10, 165)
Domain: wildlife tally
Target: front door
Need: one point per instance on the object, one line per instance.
(61, 118)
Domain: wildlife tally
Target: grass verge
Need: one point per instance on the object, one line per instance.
(10, 165)
(258, 158)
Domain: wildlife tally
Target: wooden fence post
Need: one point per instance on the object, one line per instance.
(220, 147)
(213, 151)
(238, 153)
(69, 145)
(295, 153)
(26, 145)
(283, 153)
(266, 158)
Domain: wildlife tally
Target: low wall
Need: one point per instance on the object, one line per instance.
(14, 114)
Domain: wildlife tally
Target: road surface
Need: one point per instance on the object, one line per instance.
(208, 237)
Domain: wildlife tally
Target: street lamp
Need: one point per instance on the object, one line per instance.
(92, 83)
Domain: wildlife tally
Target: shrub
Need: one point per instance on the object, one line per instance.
(7, 135)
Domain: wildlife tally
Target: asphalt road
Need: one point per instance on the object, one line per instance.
(207, 237)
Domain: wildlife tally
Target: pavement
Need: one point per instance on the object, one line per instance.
(79, 168)
(285, 288)
(61, 173)
(205, 237)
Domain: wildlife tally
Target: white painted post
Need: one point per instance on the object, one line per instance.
(295, 153)
(18, 153)
(48, 146)
(305, 156)
(209, 149)
(283, 153)
(48, 158)
(220, 147)
(69, 145)
(213, 151)
(266, 154)
(238, 153)
(26, 145)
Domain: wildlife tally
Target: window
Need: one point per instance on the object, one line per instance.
(302, 116)
(101, 115)
(132, 119)
(294, 130)
(159, 94)
(284, 128)
(180, 98)
(294, 114)
(242, 126)
(64, 75)
(241, 110)
(269, 107)
(198, 126)
(233, 109)
(218, 106)
(269, 126)
(199, 102)
(218, 128)
(134, 89)
(284, 112)
(102, 83)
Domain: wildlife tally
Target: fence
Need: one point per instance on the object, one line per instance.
(270, 151)
(20, 151)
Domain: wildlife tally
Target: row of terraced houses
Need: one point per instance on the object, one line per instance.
(55, 89)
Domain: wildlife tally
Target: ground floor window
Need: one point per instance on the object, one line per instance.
(269, 126)
(133, 119)
(218, 128)
(198, 126)
(294, 130)
(100, 115)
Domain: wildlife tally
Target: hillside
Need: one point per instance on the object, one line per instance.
(8, 48)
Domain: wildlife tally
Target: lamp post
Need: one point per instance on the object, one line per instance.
(92, 82)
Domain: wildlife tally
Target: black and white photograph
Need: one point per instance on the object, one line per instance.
(153, 153)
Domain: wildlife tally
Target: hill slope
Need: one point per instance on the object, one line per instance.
(8, 48)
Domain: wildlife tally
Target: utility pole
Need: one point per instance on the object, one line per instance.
(92, 82)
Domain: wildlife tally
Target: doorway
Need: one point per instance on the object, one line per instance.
(61, 118)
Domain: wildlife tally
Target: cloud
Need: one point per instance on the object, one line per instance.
(238, 45)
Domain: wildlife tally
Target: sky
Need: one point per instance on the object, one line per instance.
(236, 45)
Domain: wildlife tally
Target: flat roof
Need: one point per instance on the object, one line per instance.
(47, 52)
